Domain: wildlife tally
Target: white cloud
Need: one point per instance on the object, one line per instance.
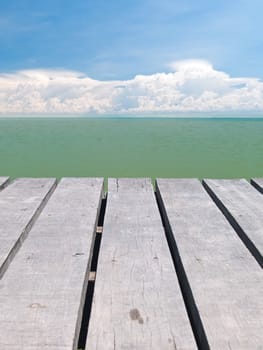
(193, 86)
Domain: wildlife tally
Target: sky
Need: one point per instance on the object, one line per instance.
(117, 56)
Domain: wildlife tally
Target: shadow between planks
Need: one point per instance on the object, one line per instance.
(226, 198)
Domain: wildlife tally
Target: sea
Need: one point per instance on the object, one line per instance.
(131, 146)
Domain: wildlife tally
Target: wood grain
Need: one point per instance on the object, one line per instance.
(243, 206)
(225, 280)
(43, 291)
(137, 300)
(20, 203)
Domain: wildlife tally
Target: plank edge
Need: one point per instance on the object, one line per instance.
(249, 244)
(12, 253)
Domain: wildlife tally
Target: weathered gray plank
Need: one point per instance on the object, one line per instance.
(20, 204)
(243, 206)
(224, 278)
(3, 181)
(42, 294)
(258, 184)
(137, 301)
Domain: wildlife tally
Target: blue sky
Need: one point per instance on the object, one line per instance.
(117, 56)
(118, 39)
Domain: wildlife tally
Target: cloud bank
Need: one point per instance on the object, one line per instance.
(192, 86)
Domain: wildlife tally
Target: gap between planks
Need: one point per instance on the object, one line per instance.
(21, 236)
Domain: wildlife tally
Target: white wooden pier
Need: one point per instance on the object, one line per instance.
(173, 265)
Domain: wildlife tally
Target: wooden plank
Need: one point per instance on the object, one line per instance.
(224, 279)
(42, 294)
(3, 181)
(20, 203)
(258, 184)
(137, 301)
(243, 207)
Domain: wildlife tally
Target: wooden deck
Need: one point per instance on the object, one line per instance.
(175, 267)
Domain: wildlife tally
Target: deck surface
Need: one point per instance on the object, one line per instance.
(3, 181)
(20, 203)
(180, 269)
(43, 290)
(137, 301)
(243, 206)
(217, 264)
(258, 184)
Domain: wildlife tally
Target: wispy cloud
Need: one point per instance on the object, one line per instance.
(191, 86)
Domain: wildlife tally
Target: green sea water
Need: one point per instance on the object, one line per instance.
(131, 147)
